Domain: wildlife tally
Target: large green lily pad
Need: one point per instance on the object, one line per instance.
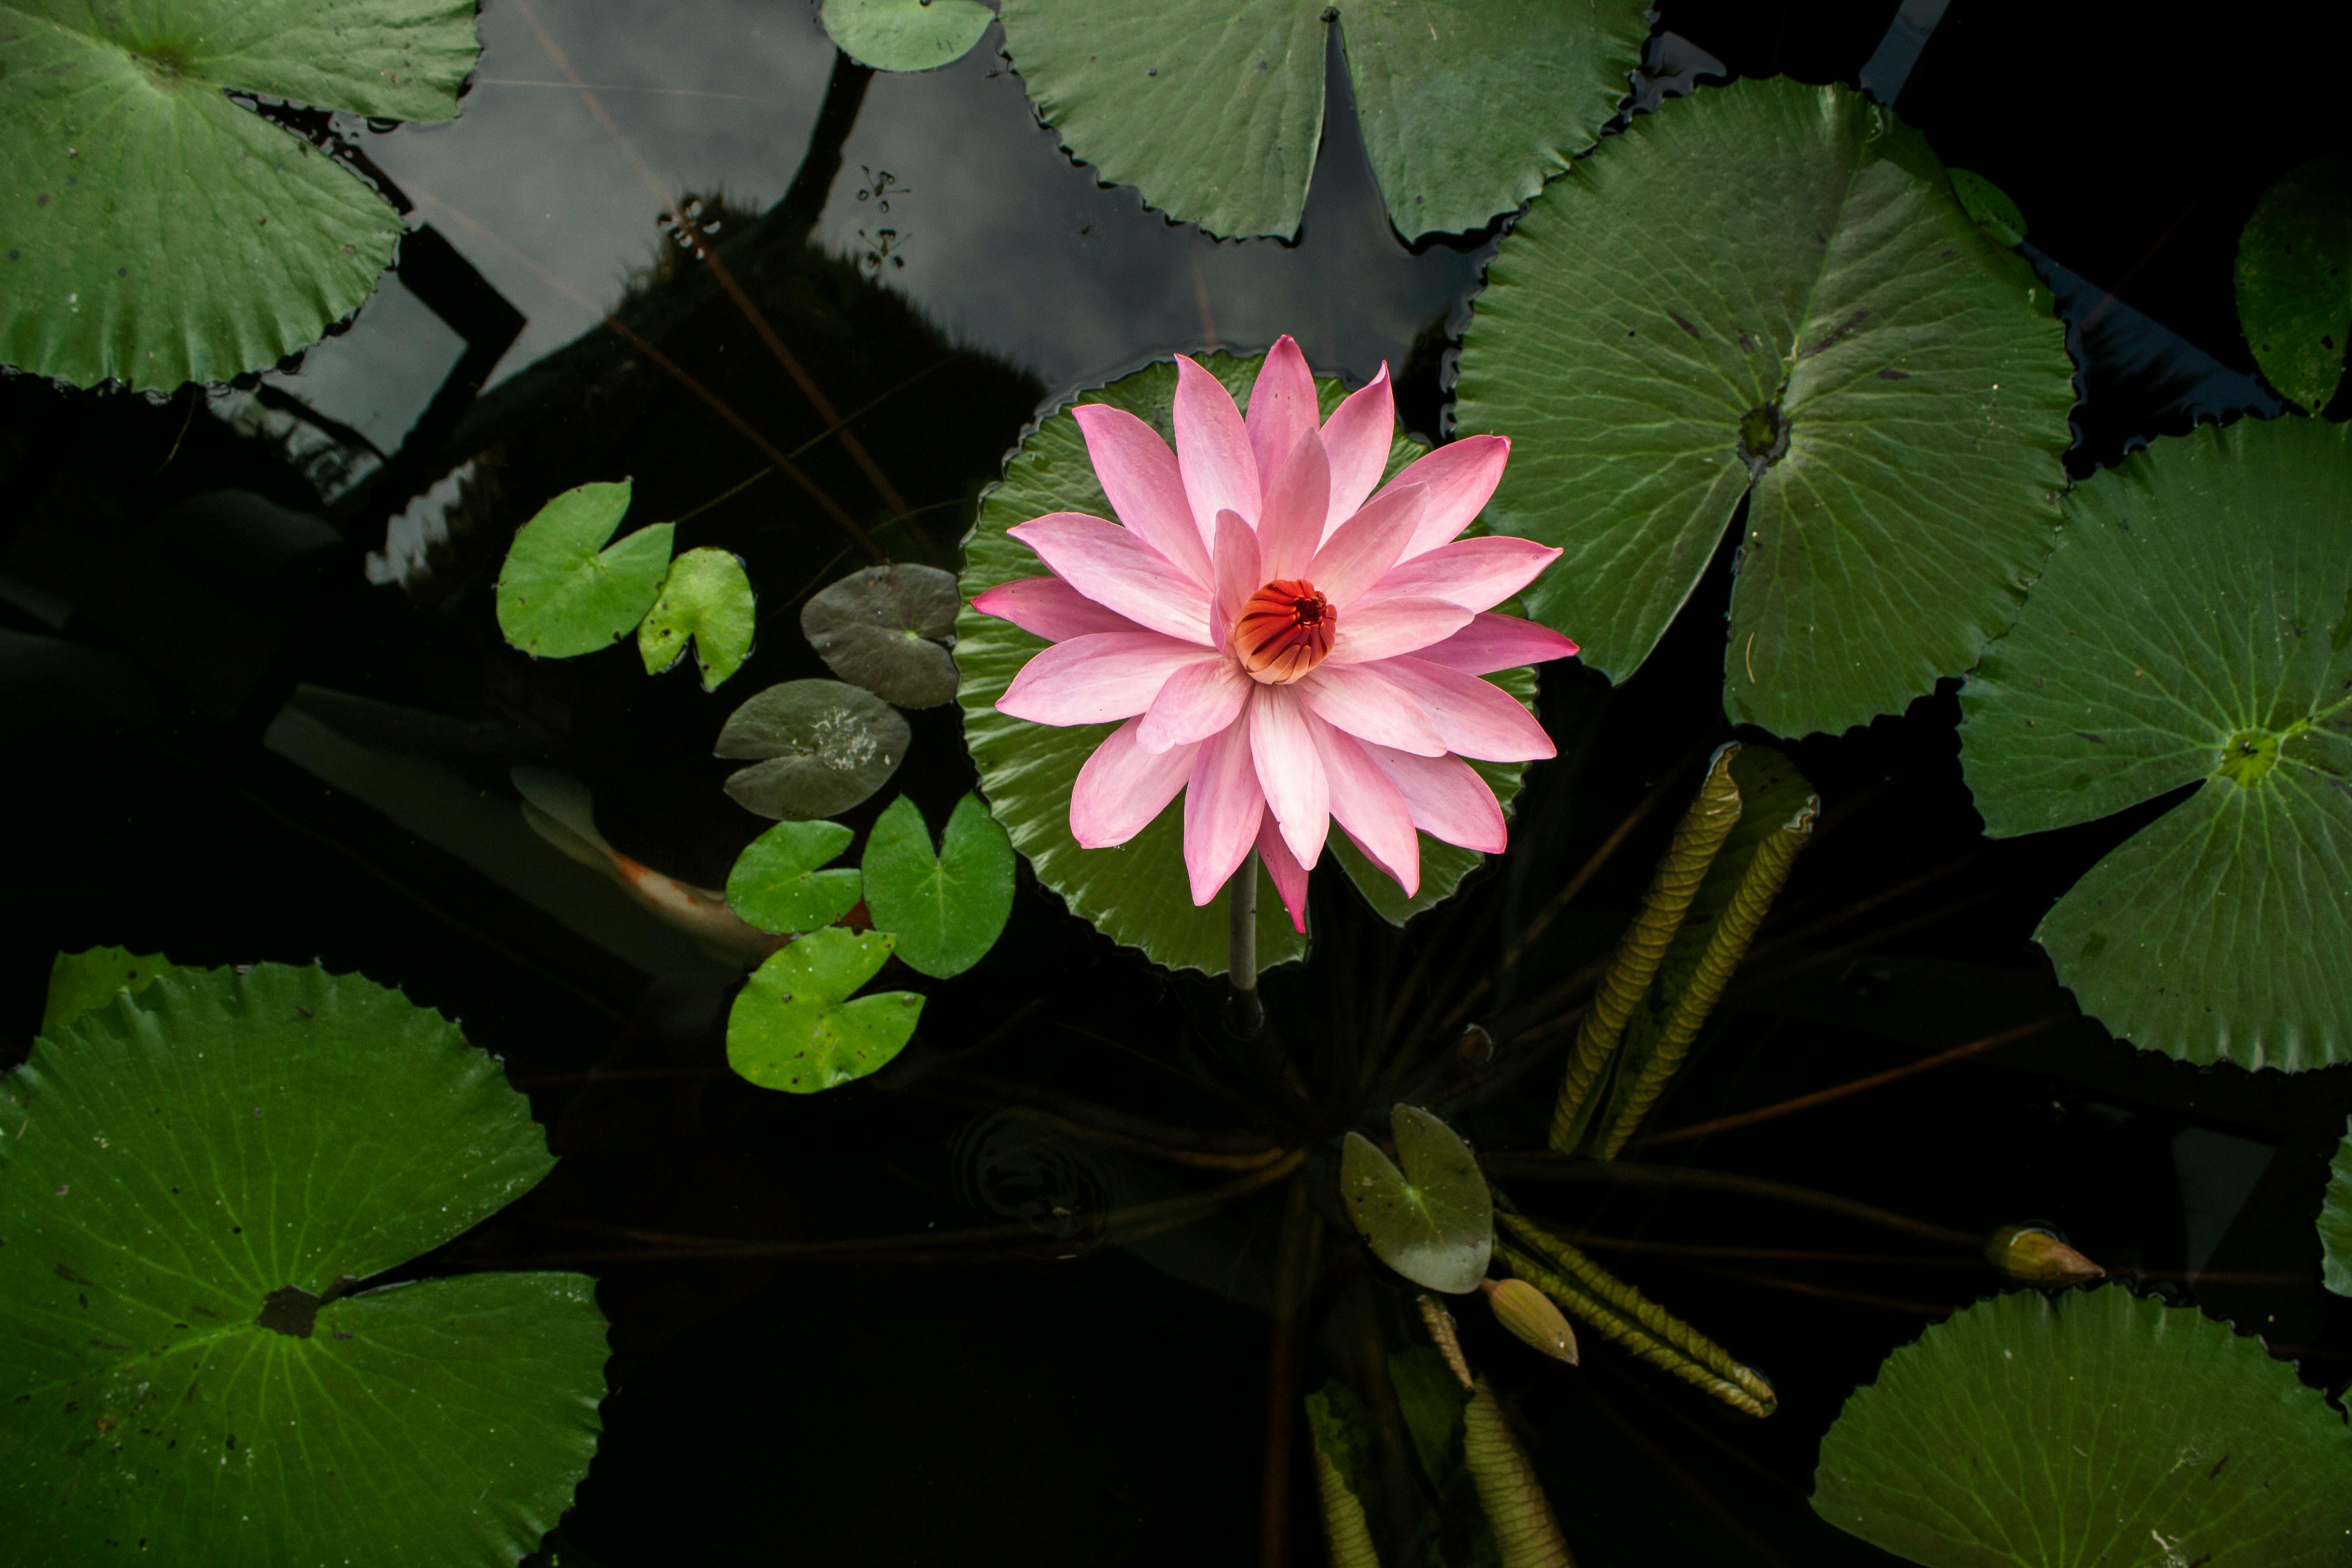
(1138, 894)
(2335, 1221)
(204, 1172)
(2195, 623)
(1771, 291)
(2040, 1432)
(562, 591)
(793, 1025)
(2294, 280)
(946, 910)
(1432, 1221)
(1213, 108)
(155, 231)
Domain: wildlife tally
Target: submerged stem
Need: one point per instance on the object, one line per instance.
(1245, 1014)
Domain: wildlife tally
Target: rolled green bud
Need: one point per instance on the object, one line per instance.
(1529, 1313)
(2033, 1256)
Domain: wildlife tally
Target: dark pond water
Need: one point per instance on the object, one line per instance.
(279, 726)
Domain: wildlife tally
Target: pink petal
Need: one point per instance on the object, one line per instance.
(1138, 474)
(1222, 804)
(1368, 806)
(1282, 403)
(1094, 679)
(1289, 770)
(1197, 701)
(1383, 629)
(1367, 546)
(1491, 642)
(1460, 475)
(1476, 573)
(1289, 876)
(1375, 860)
(1122, 787)
(1213, 449)
(1447, 798)
(1474, 718)
(1239, 573)
(1354, 697)
(1290, 523)
(1357, 439)
(1050, 608)
(1115, 567)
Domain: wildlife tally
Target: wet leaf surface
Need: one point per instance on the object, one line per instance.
(2295, 281)
(1884, 385)
(1988, 208)
(1434, 1220)
(821, 747)
(83, 982)
(945, 910)
(793, 1025)
(776, 884)
(205, 1171)
(2194, 625)
(706, 599)
(882, 628)
(2035, 1431)
(562, 592)
(906, 34)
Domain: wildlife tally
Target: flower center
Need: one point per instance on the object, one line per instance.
(1284, 631)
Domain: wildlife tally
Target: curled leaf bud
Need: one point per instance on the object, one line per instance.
(2033, 1256)
(1528, 1314)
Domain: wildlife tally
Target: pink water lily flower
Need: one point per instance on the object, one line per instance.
(1286, 644)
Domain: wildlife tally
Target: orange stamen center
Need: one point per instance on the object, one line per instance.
(1284, 630)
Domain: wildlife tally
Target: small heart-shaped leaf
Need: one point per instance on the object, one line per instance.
(792, 1027)
(562, 593)
(1432, 1222)
(705, 598)
(883, 628)
(822, 748)
(947, 910)
(776, 885)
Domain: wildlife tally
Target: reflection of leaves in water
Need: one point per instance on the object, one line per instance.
(1017, 1170)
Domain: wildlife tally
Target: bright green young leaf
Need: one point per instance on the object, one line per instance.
(82, 982)
(794, 1027)
(884, 628)
(1138, 894)
(2035, 1431)
(1341, 1431)
(906, 34)
(821, 746)
(1433, 1221)
(2195, 623)
(2336, 1220)
(776, 884)
(945, 910)
(562, 593)
(207, 1173)
(2295, 281)
(1768, 290)
(155, 231)
(1988, 208)
(1213, 108)
(705, 598)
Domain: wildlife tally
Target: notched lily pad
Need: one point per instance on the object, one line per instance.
(2295, 281)
(2336, 1220)
(906, 34)
(1433, 1221)
(946, 910)
(794, 1027)
(562, 593)
(83, 982)
(821, 747)
(884, 629)
(706, 600)
(776, 884)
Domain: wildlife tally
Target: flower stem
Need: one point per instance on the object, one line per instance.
(1244, 1015)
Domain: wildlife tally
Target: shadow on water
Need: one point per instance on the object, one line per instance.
(1012, 1294)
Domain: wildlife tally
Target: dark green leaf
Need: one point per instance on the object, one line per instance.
(793, 1027)
(822, 747)
(1433, 1221)
(2294, 280)
(2037, 1431)
(205, 1170)
(159, 232)
(1886, 385)
(1213, 108)
(776, 886)
(2336, 1220)
(945, 910)
(882, 628)
(705, 598)
(562, 593)
(84, 982)
(2195, 625)
(906, 34)
(1988, 208)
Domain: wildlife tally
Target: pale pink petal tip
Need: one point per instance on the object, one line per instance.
(1289, 878)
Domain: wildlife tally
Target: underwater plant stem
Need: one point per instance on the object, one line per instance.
(1299, 1224)
(1560, 1168)
(1245, 1014)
